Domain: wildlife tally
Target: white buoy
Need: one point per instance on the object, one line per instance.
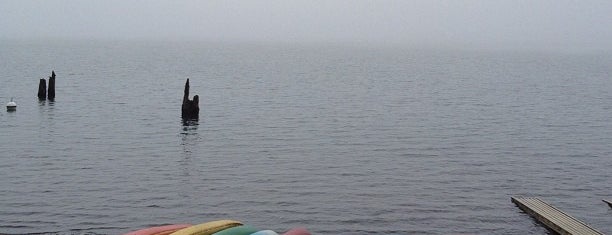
(11, 106)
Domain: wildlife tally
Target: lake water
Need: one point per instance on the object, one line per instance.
(338, 139)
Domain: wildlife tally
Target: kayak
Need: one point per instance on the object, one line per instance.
(238, 230)
(265, 232)
(208, 228)
(160, 230)
(218, 227)
(297, 231)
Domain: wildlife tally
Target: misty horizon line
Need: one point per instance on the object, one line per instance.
(433, 44)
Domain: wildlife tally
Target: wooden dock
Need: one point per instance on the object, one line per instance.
(552, 217)
(608, 201)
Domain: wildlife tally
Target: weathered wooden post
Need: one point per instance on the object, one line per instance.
(42, 89)
(51, 92)
(190, 108)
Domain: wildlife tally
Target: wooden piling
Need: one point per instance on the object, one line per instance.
(42, 89)
(51, 92)
(190, 108)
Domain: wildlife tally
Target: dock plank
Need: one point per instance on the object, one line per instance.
(608, 201)
(552, 217)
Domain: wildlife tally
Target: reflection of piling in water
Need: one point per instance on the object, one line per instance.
(190, 108)
(51, 93)
(42, 89)
(189, 124)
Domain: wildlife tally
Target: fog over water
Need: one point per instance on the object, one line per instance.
(544, 24)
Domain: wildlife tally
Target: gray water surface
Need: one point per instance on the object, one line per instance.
(338, 139)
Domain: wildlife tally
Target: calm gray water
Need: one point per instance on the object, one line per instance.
(339, 139)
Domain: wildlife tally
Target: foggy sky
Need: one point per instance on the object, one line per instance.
(552, 23)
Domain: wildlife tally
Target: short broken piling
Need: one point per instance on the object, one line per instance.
(42, 89)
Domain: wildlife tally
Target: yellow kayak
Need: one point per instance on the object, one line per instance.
(208, 228)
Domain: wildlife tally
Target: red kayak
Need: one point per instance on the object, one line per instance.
(297, 231)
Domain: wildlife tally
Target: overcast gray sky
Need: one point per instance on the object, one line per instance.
(455, 22)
